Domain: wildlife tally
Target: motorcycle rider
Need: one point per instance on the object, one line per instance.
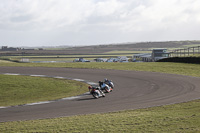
(106, 81)
(101, 83)
(96, 88)
(92, 87)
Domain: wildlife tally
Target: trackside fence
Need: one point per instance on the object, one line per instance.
(191, 51)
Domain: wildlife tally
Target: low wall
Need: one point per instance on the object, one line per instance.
(195, 60)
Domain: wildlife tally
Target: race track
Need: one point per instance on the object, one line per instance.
(132, 90)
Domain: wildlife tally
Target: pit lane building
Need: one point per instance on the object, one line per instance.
(156, 55)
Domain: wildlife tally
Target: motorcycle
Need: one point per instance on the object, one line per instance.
(110, 83)
(96, 92)
(105, 87)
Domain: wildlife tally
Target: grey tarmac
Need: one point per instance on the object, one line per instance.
(133, 90)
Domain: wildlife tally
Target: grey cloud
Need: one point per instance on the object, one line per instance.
(56, 22)
(21, 18)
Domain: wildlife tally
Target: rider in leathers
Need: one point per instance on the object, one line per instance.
(106, 81)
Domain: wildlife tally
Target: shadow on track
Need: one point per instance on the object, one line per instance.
(85, 99)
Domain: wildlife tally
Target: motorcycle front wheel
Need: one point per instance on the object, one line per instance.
(95, 95)
(107, 90)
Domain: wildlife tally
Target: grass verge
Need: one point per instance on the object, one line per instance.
(184, 117)
(18, 90)
(163, 67)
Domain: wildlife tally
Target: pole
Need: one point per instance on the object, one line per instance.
(184, 52)
(193, 50)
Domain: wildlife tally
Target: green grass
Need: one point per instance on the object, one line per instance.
(191, 45)
(65, 57)
(195, 55)
(184, 117)
(17, 90)
(71, 56)
(4, 61)
(126, 52)
(163, 67)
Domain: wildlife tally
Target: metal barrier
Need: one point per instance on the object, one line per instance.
(185, 52)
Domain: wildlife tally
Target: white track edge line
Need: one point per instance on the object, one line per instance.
(45, 102)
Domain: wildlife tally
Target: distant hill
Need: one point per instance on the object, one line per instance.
(96, 49)
(136, 46)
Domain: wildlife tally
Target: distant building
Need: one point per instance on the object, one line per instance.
(146, 57)
(80, 60)
(156, 55)
(25, 60)
(6, 48)
(27, 49)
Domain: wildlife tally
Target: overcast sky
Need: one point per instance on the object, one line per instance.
(92, 22)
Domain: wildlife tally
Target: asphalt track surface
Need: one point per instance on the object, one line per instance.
(133, 90)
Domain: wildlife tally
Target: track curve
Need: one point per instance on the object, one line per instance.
(133, 90)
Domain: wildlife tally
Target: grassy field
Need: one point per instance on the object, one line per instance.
(66, 57)
(184, 117)
(193, 45)
(123, 52)
(18, 90)
(163, 67)
(70, 56)
(4, 61)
